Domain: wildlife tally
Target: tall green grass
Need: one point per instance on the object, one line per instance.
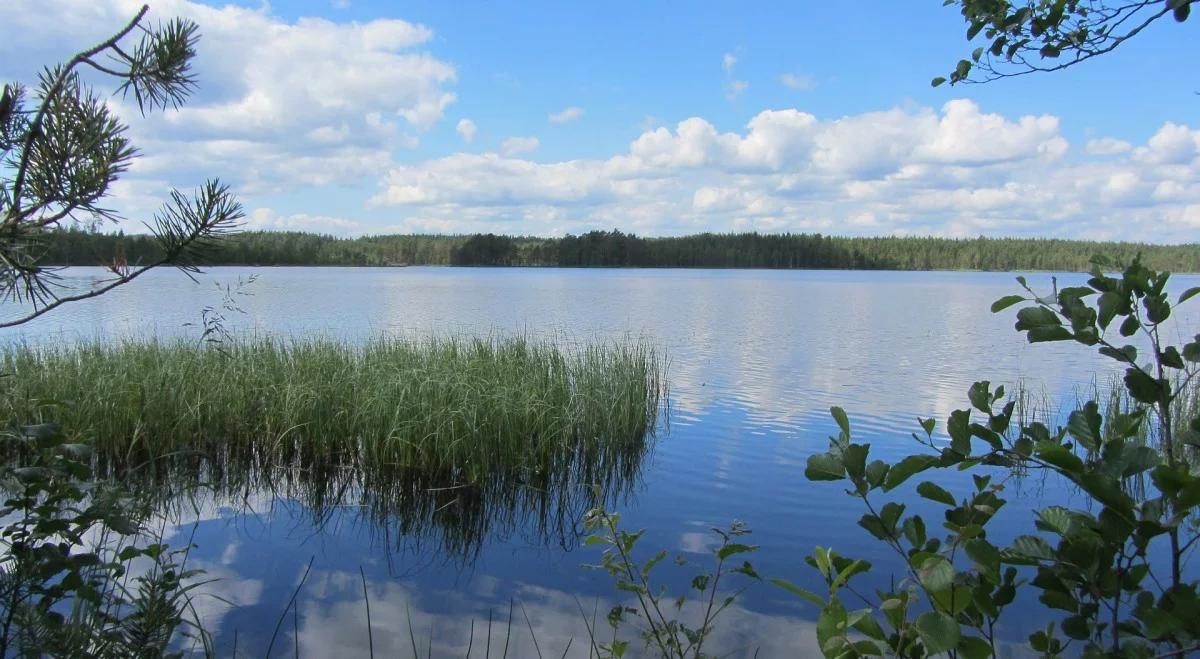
(473, 429)
(1113, 399)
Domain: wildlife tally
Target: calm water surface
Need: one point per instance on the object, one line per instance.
(756, 358)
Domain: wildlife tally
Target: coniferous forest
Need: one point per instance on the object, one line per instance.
(616, 249)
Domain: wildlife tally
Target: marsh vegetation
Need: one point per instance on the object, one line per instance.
(459, 412)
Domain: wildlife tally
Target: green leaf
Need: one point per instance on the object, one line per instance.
(1191, 351)
(959, 428)
(1056, 519)
(1048, 334)
(802, 593)
(655, 560)
(1106, 490)
(903, 470)
(973, 647)
(1142, 387)
(934, 492)
(1061, 457)
(938, 81)
(1057, 599)
(1130, 326)
(938, 631)
(1171, 358)
(1189, 496)
(936, 573)
(1006, 302)
(868, 625)
(890, 514)
(734, 548)
(1126, 354)
(1031, 547)
(747, 569)
(1188, 294)
(985, 555)
(821, 559)
(927, 425)
(1110, 305)
(1036, 317)
(1076, 292)
(850, 570)
(854, 459)
(876, 472)
(987, 435)
(980, 396)
(1077, 627)
(824, 467)
(962, 70)
(843, 422)
(914, 531)
(1138, 459)
(1085, 426)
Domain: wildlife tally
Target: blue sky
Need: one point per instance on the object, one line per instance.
(626, 61)
(660, 118)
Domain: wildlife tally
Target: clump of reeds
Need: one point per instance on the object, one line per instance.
(456, 410)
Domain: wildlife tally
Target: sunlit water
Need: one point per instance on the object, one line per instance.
(756, 358)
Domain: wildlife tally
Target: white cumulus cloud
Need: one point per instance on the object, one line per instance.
(956, 171)
(514, 145)
(798, 81)
(733, 87)
(1173, 144)
(1108, 146)
(266, 219)
(566, 114)
(280, 104)
(467, 129)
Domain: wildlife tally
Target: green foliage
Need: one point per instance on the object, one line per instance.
(76, 577)
(664, 629)
(1112, 568)
(62, 151)
(1021, 37)
(485, 249)
(462, 439)
(617, 249)
(465, 409)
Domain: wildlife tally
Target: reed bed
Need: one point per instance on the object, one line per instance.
(458, 411)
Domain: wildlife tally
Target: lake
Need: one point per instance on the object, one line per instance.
(755, 360)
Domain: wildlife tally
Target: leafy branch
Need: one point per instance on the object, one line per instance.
(1100, 571)
(665, 631)
(60, 158)
(1050, 35)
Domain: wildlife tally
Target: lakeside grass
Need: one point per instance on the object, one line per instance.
(459, 411)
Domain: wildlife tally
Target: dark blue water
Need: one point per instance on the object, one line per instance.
(756, 358)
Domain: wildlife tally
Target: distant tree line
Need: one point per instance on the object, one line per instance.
(616, 249)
